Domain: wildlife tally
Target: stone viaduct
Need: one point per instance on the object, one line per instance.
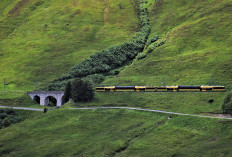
(44, 96)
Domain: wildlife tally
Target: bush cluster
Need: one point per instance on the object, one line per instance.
(109, 59)
(8, 117)
(81, 91)
(78, 90)
(152, 40)
(154, 45)
(227, 104)
(115, 56)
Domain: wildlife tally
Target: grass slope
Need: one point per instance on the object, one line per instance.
(198, 36)
(115, 133)
(44, 39)
(197, 47)
(193, 103)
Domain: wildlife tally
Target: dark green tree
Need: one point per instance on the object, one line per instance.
(68, 92)
(82, 91)
(227, 104)
(6, 122)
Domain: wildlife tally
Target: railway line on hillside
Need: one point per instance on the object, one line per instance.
(129, 108)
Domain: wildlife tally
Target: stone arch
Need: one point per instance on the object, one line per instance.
(58, 95)
(36, 98)
(50, 100)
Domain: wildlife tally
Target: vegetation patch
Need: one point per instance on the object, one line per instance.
(227, 104)
(112, 58)
(8, 117)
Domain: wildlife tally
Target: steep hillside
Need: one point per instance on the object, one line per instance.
(44, 39)
(197, 47)
(115, 133)
(196, 51)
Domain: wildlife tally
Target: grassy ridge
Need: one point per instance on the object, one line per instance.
(115, 132)
(197, 45)
(44, 39)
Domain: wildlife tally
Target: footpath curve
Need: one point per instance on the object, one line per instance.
(130, 108)
(149, 110)
(22, 108)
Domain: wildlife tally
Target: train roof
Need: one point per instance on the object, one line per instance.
(189, 87)
(124, 87)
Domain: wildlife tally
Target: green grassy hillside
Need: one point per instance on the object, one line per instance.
(194, 103)
(198, 45)
(115, 133)
(44, 39)
(197, 51)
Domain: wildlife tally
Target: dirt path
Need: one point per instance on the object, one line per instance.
(220, 116)
(22, 108)
(149, 110)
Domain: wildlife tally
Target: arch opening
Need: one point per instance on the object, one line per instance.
(51, 101)
(36, 99)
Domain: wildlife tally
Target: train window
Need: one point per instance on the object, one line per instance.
(100, 88)
(218, 87)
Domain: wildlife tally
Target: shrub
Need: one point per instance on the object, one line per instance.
(142, 56)
(68, 92)
(95, 78)
(211, 101)
(82, 91)
(1, 111)
(3, 115)
(9, 111)
(8, 117)
(227, 104)
(6, 122)
(0, 123)
(152, 40)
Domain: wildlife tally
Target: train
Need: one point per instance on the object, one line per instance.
(203, 88)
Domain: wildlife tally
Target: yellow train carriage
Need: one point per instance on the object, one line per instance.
(161, 89)
(140, 88)
(100, 89)
(219, 88)
(151, 89)
(189, 88)
(206, 88)
(213, 88)
(124, 88)
(172, 88)
(105, 89)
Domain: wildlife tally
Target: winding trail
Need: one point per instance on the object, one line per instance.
(22, 108)
(149, 110)
(129, 108)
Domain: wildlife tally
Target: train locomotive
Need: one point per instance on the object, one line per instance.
(161, 89)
